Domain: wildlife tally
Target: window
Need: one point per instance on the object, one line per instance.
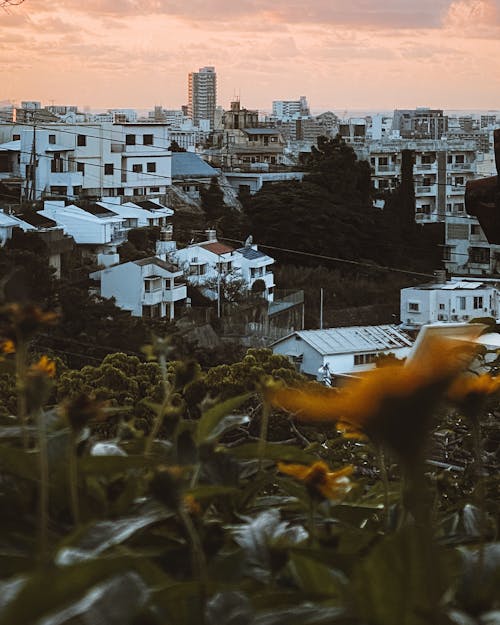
(475, 229)
(441, 306)
(383, 160)
(459, 207)
(427, 159)
(57, 164)
(52, 139)
(81, 140)
(414, 306)
(457, 231)
(130, 139)
(137, 168)
(480, 255)
(109, 169)
(120, 191)
(459, 158)
(147, 139)
(58, 190)
(478, 302)
(459, 180)
(447, 252)
(16, 137)
(154, 190)
(151, 167)
(80, 167)
(138, 191)
(462, 303)
(364, 359)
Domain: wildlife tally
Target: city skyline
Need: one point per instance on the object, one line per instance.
(342, 55)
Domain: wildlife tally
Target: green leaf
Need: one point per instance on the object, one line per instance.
(316, 579)
(208, 426)
(112, 465)
(209, 492)
(52, 590)
(272, 451)
(15, 461)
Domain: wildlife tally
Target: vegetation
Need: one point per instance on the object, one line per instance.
(150, 492)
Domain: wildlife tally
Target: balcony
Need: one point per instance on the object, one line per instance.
(385, 169)
(158, 296)
(455, 189)
(462, 166)
(426, 167)
(66, 179)
(118, 235)
(425, 189)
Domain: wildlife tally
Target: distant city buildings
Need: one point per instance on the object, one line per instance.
(202, 97)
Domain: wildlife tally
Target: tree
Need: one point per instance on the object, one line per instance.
(212, 201)
(175, 147)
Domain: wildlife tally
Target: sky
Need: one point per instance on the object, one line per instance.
(341, 54)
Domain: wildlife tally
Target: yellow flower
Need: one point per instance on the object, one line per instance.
(8, 347)
(23, 320)
(470, 391)
(44, 366)
(393, 405)
(319, 480)
(191, 505)
(349, 432)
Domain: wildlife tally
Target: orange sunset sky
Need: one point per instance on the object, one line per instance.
(341, 54)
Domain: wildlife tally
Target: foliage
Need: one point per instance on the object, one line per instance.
(199, 519)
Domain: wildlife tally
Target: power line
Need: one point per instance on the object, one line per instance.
(340, 260)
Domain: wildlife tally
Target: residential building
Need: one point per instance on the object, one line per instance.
(285, 110)
(459, 299)
(441, 171)
(247, 148)
(209, 262)
(57, 242)
(342, 351)
(467, 250)
(202, 96)
(420, 123)
(238, 117)
(88, 160)
(151, 288)
(190, 172)
(353, 130)
(97, 229)
(139, 214)
(252, 182)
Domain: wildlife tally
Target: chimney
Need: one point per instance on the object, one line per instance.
(166, 233)
(211, 234)
(440, 276)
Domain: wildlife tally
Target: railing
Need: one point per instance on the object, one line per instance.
(425, 166)
(385, 169)
(461, 166)
(425, 189)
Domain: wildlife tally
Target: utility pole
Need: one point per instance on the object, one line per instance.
(30, 192)
(218, 288)
(321, 308)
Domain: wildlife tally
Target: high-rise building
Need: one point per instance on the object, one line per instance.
(286, 110)
(202, 96)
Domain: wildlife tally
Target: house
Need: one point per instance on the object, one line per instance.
(190, 172)
(254, 265)
(57, 242)
(342, 351)
(138, 214)
(457, 300)
(97, 229)
(151, 288)
(211, 261)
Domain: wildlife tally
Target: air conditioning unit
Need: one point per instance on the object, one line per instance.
(442, 317)
(454, 317)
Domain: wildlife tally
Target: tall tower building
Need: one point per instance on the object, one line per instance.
(202, 96)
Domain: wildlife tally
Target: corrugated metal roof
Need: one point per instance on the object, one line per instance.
(463, 285)
(187, 164)
(355, 339)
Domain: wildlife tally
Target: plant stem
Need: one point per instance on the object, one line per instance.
(312, 522)
(385, 482)
(22, 412)
(198, 555)
(264, 424)
(73, 479)
(158, 420)
(43, 501)
(480, 488)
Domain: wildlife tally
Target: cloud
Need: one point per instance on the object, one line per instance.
(361, 13)
(474, 18)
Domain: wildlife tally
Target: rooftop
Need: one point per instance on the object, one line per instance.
(250, 253)
(187, 164)
(354, 339)
(216, 248)
(158, 262)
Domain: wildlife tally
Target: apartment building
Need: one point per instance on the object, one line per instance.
(286, 110)
(202, 96)
(441, 171)
(87, 160)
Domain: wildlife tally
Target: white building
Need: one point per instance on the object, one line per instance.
(441, 171)
(139, 214)
(457, 300)
(208, 262)
(148, 288)
(100, 159)
(466, 250)
(202, 96)
(344, 351)
(286, 110)
(7, 224)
